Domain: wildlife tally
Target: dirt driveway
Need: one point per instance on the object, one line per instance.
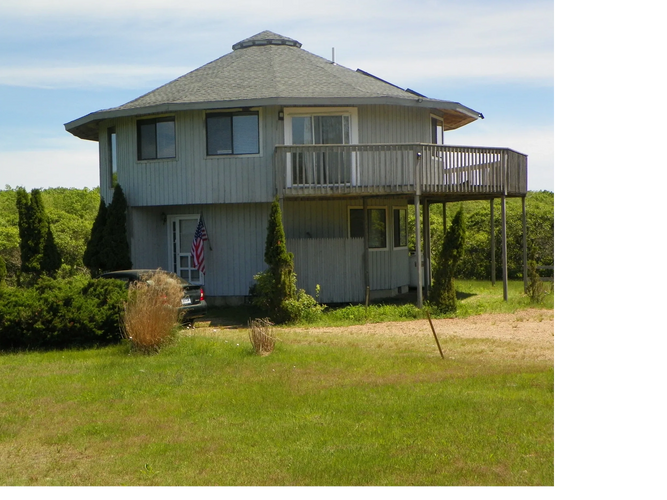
(527, 334)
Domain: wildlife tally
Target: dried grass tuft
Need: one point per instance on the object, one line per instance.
(151, 315)
(261, 336)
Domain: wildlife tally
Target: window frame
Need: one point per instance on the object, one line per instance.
(112, 155)
(353, 116)
(232, 113)
(370, 209)
(433, 129)
(175, 254)
(397, 234)
(154, 121)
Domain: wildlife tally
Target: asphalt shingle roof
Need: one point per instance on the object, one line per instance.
(264, 67)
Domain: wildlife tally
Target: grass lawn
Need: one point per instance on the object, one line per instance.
(317, 411)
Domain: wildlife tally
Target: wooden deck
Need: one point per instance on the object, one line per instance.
(391, 169)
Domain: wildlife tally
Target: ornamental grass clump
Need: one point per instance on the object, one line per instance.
(152, 315)
(261, 336)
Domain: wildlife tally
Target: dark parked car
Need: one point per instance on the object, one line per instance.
(193, 303)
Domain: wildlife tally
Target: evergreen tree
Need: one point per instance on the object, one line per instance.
(51, 258)
(3, 271)
(39, 253)
(23, 207)
(91, 256)
(275, 249)
(115, 250)
(275, 288)
(281, 265)
(443, 294)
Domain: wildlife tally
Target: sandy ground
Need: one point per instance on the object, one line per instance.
(526, 334)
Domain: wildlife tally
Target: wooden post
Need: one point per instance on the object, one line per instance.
(493, 245)
(503, 213)
(418, 246)
(418, 252)
(525, 245)
(427, 246)
(367, 271)
(436, 337)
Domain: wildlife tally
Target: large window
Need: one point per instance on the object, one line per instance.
(400, 227)
(156, 138)
(316, 126)
(377, 226)
(232, 133)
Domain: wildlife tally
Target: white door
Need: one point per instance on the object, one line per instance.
(181, 235)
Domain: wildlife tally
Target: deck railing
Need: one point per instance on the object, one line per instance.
(320, 170)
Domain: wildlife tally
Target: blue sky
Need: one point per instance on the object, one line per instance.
(62, 60)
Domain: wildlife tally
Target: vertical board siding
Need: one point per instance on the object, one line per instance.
(192, 177)
(328, 220)
(394, 125)
(236, 235)
(335, 264)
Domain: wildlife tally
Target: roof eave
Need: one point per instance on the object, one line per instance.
(456, 115)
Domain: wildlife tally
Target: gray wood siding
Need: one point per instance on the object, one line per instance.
(320, 220)
(192, 177)
(393, 125)
(335, 264)
(236, 235)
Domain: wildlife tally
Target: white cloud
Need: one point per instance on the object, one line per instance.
(499, 41)
(93, 76)
(76, 167)
(536, 142)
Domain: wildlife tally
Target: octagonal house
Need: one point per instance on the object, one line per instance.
(345, 152)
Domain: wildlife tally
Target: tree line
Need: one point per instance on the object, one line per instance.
(71, 215)
(60, 233)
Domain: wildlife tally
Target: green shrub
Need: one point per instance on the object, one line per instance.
(443, 294)
(535, 290)
(298, 306)
(275, 291)
(3, 271)
(61, 313)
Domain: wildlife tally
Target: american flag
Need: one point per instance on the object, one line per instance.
(197, 251)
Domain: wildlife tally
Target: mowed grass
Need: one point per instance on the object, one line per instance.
(317, 411)
(474, 297)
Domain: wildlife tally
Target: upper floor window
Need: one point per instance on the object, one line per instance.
(156, 138)
(314, 126)
(232, 133)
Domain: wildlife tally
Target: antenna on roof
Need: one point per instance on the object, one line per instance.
(333, 55)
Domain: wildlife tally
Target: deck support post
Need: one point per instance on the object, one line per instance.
(525, 245)
(418, 252)
(427, 247)
(493, 245)
(367, 271)
(504, 245)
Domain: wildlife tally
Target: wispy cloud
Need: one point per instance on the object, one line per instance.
(403, 40)
(92, 76)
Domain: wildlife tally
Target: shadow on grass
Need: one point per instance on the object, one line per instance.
(464, 295)
(230, 317)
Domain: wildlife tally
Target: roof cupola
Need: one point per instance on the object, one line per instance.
(266, 38)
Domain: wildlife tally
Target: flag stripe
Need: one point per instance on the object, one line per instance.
(197, 250)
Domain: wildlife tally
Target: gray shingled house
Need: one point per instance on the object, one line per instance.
(346, 153)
